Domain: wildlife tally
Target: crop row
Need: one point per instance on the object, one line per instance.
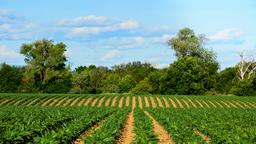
(184, 102)
(215, 126)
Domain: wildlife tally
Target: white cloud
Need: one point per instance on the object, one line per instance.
(111, 54)
(5, 52)
(129, 24)
(162, 39)
(226, 35)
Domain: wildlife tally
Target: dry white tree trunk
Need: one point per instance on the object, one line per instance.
(246, 66)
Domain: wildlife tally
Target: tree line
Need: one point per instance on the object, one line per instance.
(194, 72)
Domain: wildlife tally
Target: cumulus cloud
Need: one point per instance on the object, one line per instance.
(162, 39)
(226, 36)
(111, 54)
(5, 52)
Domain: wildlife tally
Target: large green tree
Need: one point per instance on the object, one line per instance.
(46, 65)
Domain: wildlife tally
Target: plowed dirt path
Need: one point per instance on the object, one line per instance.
(127, 134)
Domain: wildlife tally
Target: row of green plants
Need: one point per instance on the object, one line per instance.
(25, 124)
(219, 125)
(143, 128)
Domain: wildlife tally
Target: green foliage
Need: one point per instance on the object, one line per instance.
(188, 75)
(143, 87)
(127, 83)
(10, 78)
(226, 80)
(245, 87)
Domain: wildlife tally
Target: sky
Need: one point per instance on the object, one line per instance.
(110, 32)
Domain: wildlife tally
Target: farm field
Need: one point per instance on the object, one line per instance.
(35, 118)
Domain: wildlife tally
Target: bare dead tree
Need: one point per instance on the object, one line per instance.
(246, 66)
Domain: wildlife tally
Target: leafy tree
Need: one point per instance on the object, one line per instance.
(45, 64)
(226, 80)
(143, 87)
(127, 83)
(246, 87)
(111, 83)
(10, 78)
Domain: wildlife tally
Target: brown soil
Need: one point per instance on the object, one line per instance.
(87, 132)
(46, 102)
(30, 103)
(146, 101)
(94, 102)
(194, 105)
(127, 102)
(245, 104)
(218, 104)
(206, 104)
(127, 135)
(60, 101)
(121, 102)
(237, 103)
(173, 103)
(81, 101)
(153, 102)
(107, 101)
(179, 103)
(163, 136)
(230, 103)
(166, 103)
(212, 104)
(225, 104)
(114, 102)
(140, 102)
(199, 103)
(133, 102)
(66, 103)
(54, 101)
(251, 104)
(101, 101)
(74, 102)
(88, 101)
(159, 102)
(186, 103)
(4, 102)
(205, 137)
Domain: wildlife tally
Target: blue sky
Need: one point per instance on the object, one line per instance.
(119, 31)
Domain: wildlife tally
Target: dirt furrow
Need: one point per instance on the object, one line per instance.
(101, 101)
(163, 136)
(205, 137)
(220, 105)
(225, 104)
(230, 103)
(179, 103)
(5, 101)
(159, 102)
(67, 102)
(133, 102)
(121, 102)
(54, 101)
(88, 101)
(153, 102)
(87, 132)
(74, 102)
(173, 103)
(194, 105)
(114, 101)
(127, 134)
(166, 103)
(146, 101)
(127, 101)
(63, 99)
(212, 104)
(237, 103)
(245, 104)
(199, 103)
(186, 103)
(45, 103)
(251, 104)
(206, 104)
(140, 102)
(107, 101)
(81, 101)
(94, 101)
(30, 103)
